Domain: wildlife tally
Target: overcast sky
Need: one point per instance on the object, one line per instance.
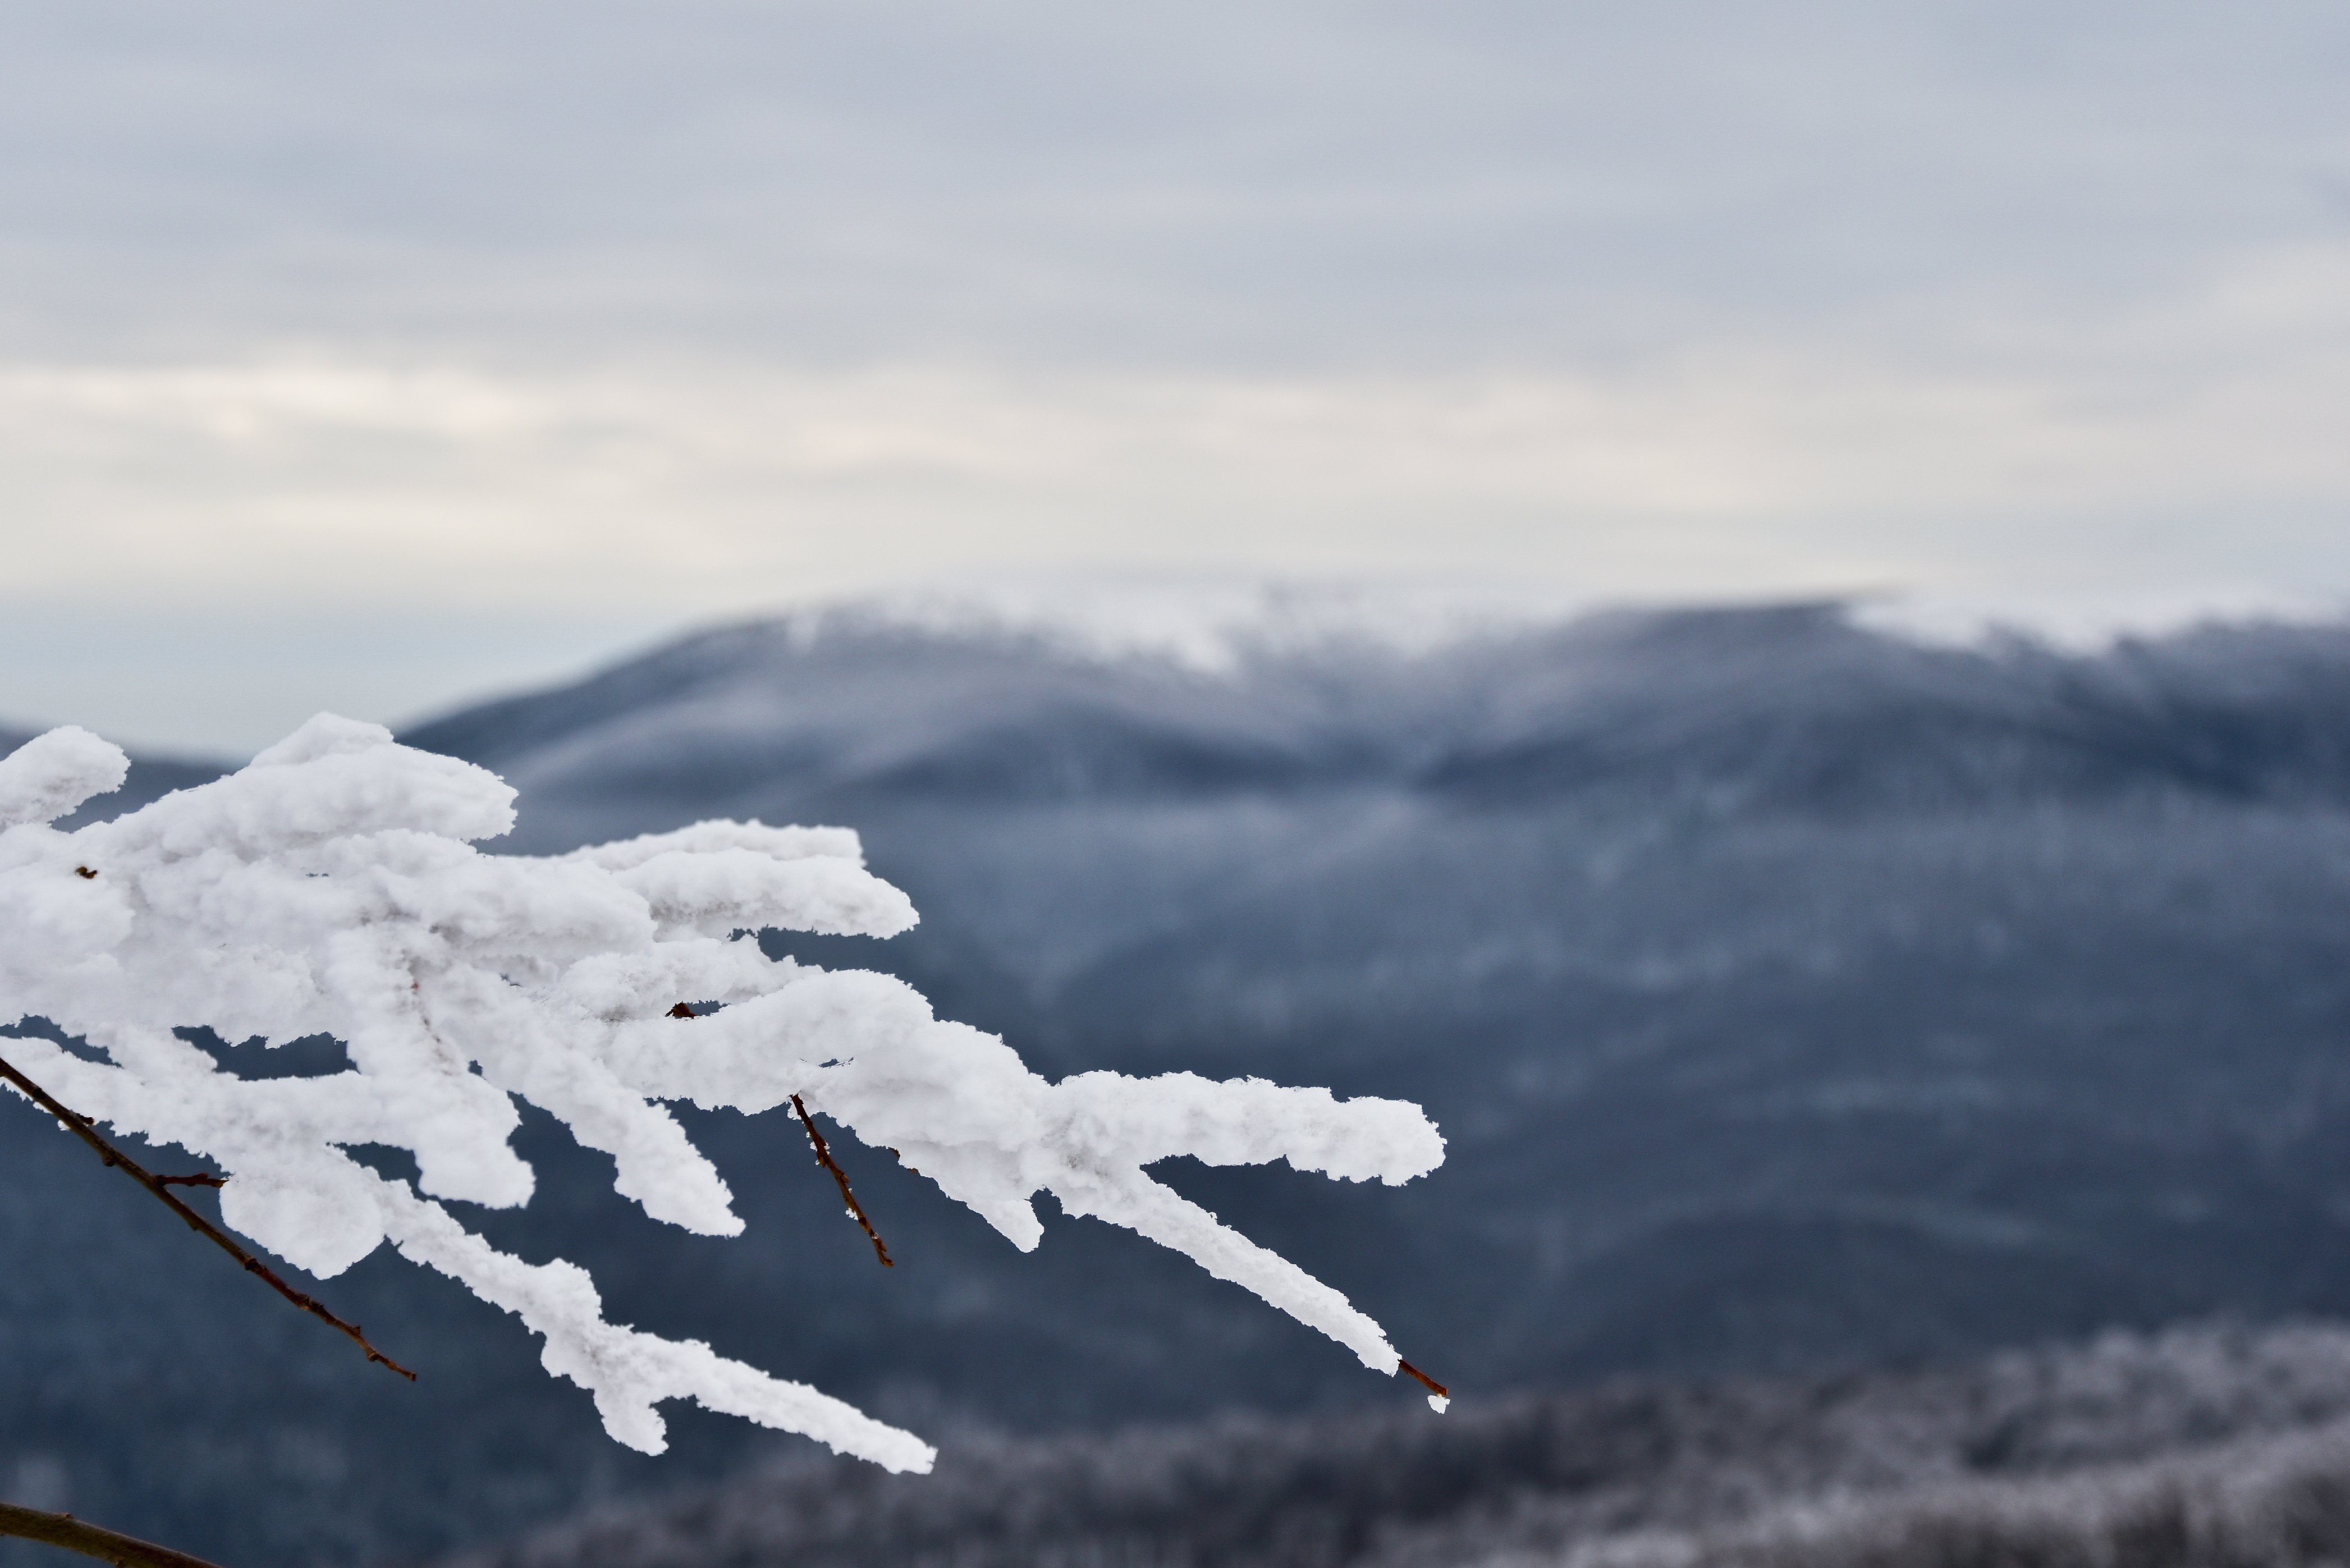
(371, 358)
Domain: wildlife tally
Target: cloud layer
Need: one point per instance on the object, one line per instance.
(614, 315)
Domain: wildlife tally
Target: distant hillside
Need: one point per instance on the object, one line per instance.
(2201, 1449)
(1792, 997)
(1792, 708)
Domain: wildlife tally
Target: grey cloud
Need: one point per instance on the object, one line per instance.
(1211, 184)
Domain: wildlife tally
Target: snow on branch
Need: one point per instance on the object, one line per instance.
(332, 888)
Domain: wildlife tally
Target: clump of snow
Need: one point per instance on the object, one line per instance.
(51, 775)
(332, 888)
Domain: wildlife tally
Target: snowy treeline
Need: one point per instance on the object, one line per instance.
(2194, 1448)
(333, 888)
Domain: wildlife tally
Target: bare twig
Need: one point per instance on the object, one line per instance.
(824, 1158)
(81, 1127)
(856, 1210)
(1430, 1384)
(202, 1179)
(64, 1530)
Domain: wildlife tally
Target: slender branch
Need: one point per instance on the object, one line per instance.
(856, 1210)
(81, 1127)
(1430, 1384)
(64, 1530)
(824, 1158)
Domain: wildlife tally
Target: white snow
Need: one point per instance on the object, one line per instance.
(1210, 626)
(333, 887)
(51, 775)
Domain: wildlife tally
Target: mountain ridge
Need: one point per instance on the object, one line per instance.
(1790, 996)
(1686, 701)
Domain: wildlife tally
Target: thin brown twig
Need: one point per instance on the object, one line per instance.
(856, 1210)
(81, 1127)
(824, 1158)
(1430, 1384)
(90, 1540)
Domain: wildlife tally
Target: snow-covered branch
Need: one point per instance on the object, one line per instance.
(332, 888)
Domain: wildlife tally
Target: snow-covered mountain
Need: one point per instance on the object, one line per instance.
(1791, 992)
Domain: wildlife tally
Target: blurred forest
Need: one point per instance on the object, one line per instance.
(2194, 1448)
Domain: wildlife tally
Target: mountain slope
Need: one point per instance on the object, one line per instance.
(1790, 995)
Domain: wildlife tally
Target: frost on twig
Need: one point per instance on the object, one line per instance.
(332, 888)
